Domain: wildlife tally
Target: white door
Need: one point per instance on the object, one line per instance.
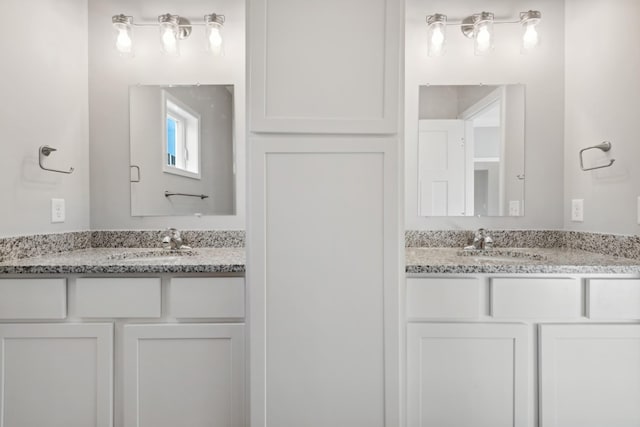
(441, 168)
(590, 375)
(467, 375)
(56, 375)
(184, 375)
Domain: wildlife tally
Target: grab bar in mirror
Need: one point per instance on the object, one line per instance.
(604, 146)
(168, 194)
(44, 151)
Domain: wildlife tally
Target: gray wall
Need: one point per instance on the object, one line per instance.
(110, 77)
(542, 72)
(603, 103)
(43, 81)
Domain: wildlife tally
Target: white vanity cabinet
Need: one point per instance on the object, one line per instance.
(188, 374)
(57, 375)
(125, 351)
(464, 374)
(523, 350)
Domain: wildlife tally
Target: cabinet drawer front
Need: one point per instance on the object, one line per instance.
(33, 298)
(121, 297)
(536, 298)
(443, 298)
(206, 297)
(614, 299)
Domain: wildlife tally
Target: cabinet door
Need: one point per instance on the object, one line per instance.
(590, 375)
(184, 375)
(56, 375)
(467, 375)
(328, 67)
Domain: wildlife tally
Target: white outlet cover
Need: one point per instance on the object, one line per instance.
(638, 210)
(57, 210)
(577, 210)
(514, 208)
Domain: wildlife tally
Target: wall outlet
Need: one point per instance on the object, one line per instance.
(57, 210)
(514, 208)
(577, 210)
(638, 210)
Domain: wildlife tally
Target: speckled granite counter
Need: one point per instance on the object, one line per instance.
(232, 260)
(533, 260)
(130, 260)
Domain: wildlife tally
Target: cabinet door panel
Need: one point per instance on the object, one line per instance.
(326, 67)
(117, 297)
(56, 375)
(193, 297)
(184, 375)
(467, 375)
(33, 298)
(614, 299)
(443, 298)
(324, 293)
(589, 375)
(557, 298)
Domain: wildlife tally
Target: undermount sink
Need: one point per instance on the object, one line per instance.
(500, 255)
(152, 255)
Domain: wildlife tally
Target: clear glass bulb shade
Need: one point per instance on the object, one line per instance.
(483, 37)
(215, 42)
(123, 37)
(169, 38)
(436, 35)
(530, 36)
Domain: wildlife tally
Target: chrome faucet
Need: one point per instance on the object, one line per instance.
(481, 241)
(172, 239)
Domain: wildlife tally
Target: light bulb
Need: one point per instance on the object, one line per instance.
(530, 37)
(436, 34)
(483, 33)
(123, 41)
(215, 42)
(484, 39)
(122, 25)
(169, 34)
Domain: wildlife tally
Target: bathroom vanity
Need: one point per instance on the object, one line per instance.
(138, 337)
(91, 339)
(552, 342)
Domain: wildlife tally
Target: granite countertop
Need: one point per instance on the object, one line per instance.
(232, 260)
(131, 260)
(517, 260)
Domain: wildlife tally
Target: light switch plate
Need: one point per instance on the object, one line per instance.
(57, 210)
(577, 210)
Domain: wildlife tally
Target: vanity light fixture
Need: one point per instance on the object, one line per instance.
(173, 29)
(479, 27)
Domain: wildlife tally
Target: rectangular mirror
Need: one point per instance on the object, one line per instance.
(182, 150)
(470, 150)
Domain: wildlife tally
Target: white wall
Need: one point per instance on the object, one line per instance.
(43, 81)
(603, 103)
(542, 72)
(110, 77)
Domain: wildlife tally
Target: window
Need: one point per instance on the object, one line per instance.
(181, 142)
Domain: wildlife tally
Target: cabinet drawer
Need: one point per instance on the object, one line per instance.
(33, 298)
(443, 298)
(122, 297)
(614, 299)
(206, 297)
(536, 298)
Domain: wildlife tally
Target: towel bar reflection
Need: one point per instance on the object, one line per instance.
(604, 146)
(44, 151)
(168, 193)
